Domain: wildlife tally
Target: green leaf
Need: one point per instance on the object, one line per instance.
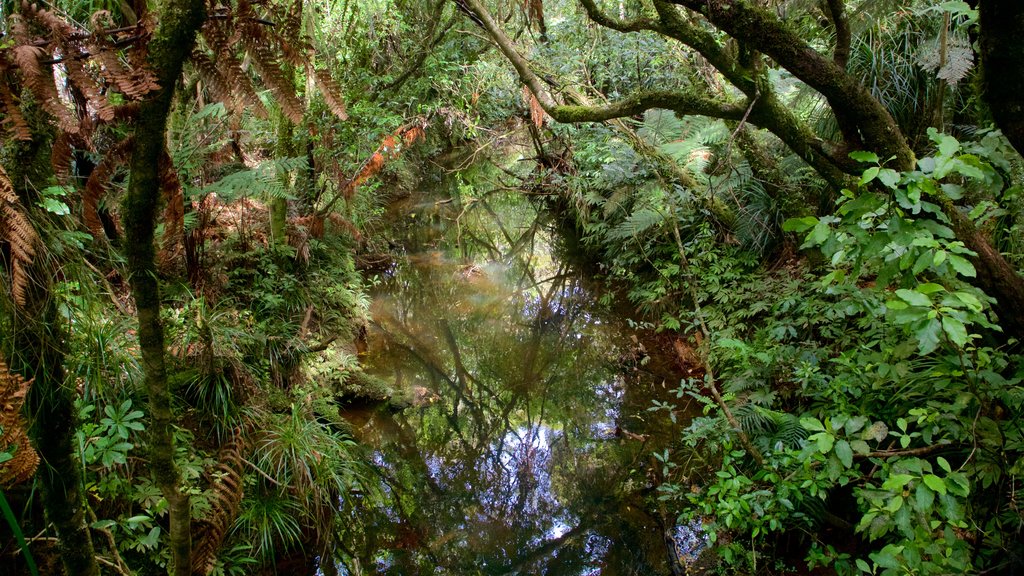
(869, 175)
(845, 453)
(886, 557)
(944, 464)
(962, 265)
(888, 177)
(913, 297)
(55, 206)
(862, 156)
(812, 424)
(955, 330)
(948, 145)
(923, 498)
(825, 441)
(799, 224)
(935, 483)
(927, 335)
(930, 288)
(896, 482)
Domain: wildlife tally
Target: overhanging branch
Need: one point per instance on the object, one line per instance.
(680, 102)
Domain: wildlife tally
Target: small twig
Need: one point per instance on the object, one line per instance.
(260, 472)
(908, 452)
(112, 566)
(120, 566)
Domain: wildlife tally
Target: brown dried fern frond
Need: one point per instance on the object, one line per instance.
(267, 63)
(227, 492)
(228, 67)
(20, 235)
(217, 86)
(174, 199)
(99, 181)
(330, 91)
(82, 80)
(13, 120)
(536, 112)
(61, 156)
(133, 81)
(13, 437)
(60, 29)
(39, 80)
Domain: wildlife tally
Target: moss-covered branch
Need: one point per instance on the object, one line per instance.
(172, 42)
(681, 102)
(864, 121)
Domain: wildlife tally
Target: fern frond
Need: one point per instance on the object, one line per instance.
(639, 222)
(39, 80)
(174, 200)
(266, 62)
(330, 91)
(13, 436)
(219, 88)
(61, 156)
(13, 121)
(227, 492)
(99, 181)
(20, 235)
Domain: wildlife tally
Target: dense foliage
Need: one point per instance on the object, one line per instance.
(814, 208)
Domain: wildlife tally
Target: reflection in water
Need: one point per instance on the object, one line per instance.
(524, 451)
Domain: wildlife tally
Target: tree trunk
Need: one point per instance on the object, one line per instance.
(1002, 58)
(171, 45)
(39, 350)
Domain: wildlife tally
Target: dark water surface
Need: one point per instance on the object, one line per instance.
(525, 442)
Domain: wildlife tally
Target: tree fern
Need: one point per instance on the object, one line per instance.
(265, 179)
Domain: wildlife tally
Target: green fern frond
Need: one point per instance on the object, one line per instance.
(266, 179)
(637, 223)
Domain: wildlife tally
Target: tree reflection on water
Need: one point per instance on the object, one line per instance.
(512, 457)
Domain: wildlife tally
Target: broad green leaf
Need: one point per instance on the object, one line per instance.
(869, 175)
(799, 224)
(862, 156)
(825, 441)
(948, 145)
(955, 330)
(888, 177)
(896, 482)
(928, 336)
(962, 265)
(924, 498)
(913, 297)
(887, 557)
(812, 424)
(845, 453)
(935, 483)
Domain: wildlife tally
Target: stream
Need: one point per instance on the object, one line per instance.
(519, 439)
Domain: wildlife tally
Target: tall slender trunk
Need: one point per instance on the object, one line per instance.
(39, 350)
(172, 42)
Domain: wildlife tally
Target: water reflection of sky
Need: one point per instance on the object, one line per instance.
(516, 467)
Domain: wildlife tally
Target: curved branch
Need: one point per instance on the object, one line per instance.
(679, 102)
(837, 13)
(863, 120)
(635, 25)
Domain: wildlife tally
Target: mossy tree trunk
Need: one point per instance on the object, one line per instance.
(172, 42)
(39, 349)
